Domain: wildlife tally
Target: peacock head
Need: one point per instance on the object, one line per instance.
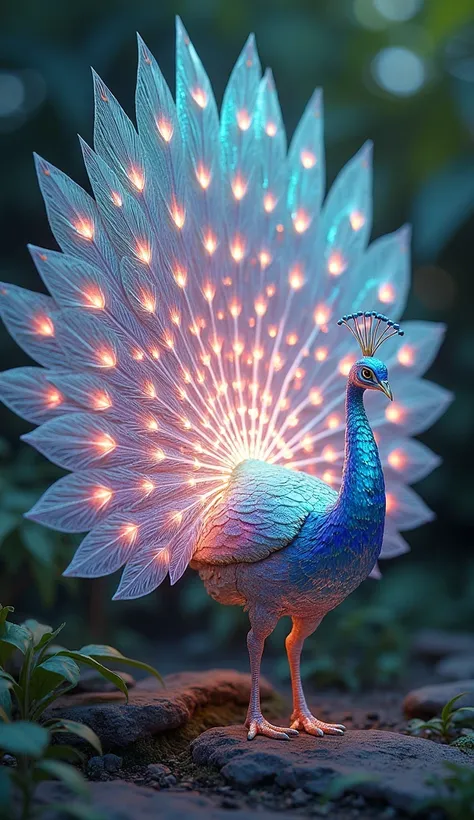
(370, 329)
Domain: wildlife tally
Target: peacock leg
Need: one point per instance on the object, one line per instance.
(301, 717)
(262, 624)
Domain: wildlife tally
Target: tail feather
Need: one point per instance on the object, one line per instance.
(191, 318)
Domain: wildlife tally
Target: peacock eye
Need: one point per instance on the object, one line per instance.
(366, 373)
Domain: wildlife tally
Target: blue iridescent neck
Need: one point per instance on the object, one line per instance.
(362, 490)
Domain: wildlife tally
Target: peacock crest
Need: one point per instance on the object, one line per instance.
(192, 321)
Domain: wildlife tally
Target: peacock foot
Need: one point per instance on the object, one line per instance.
(306, 722)
(257, 725)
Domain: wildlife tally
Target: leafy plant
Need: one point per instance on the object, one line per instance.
(451, 720)
(453, 793)
(47, 671)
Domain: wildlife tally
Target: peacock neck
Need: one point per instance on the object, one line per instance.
(362, 493)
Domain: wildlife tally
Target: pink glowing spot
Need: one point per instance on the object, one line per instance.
(394, 413)
(345, 365)
(105, 444)
(292, 339)
(129, 532)
(329, 454)
(321, 354)
(107, 358)
(264, 258)
(271, 129)
(391, 503)
(178, 215)
(84, 228)
(210, 242)
(95, 298)
(357, 220)
(301, 220)
(116, 199)
(101, 401)
(237, 249)
(239, 187)
(165, 127)
(334, 421)
(199, 96)
(243, 120)
(336, 263)
(296, 279)
(137, 178)
(203, 176)
(315, 397)
(53, 398)
(386, 293)
(101, 496)
(406, 355)
(180, 277)
(43, 325)
(143, 252)
(397, 459)
(308, 159)
(269, 203)
(322, 314)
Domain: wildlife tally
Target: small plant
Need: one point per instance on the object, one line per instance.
(451, 721)
(47, 671)
(454, 793)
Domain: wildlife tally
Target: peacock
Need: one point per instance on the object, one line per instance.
(193, 377)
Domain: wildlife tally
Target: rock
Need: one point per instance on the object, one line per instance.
(195, 699)
(119, 800)
(161, 774)
(95, 767)
(456, 667)
(92, 681)
(434, 644)
(397, 765)
(112, 763)
(429, 700)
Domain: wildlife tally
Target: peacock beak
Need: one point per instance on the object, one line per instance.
(385, 388)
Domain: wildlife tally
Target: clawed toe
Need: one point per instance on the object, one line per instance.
(313, 726)
(260, 726)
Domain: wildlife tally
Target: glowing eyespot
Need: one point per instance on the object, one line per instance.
(210, 243)
(53, 398)
(345, 365)
(397, 459)
(270, 129)
(147, 301)
(264, 258)
(329, 477)
(95, 298)
(296, 279)
(357, 220)
(235, 309)
(116, 199)
(260, 307)
(279, 228)
(386, 293)
(390, 503)
(150, 390)
(336, 263)
(243, 120)
(315, 397)
(217, 346)
(322, 314)
(107, 358)
(334, 421)
(175, 317)
(154, 352)
(152, 425)
(278, 362)
(308, 159)
(292, 421)
(129, 531)
(272, 331)
(43, 325)
(105, 444)
(270, 290)
(292, 339)
(165, 127)
(209, 292)
(269, 202)
(321, 354)
(199, 96)
(258, 353)
(180, 277)
(137, 178)
(307, 444)
(84, 228)
(138, 355)
(394, 413)
(237, 249)
(101, 401)
(301, 220)
(102, 496)
(159, 455)
(406, 355)
(147, 486)
(143, 252)
(178, 215)
(203, 176)
(239, 187)
(176, 517)
(329, 454)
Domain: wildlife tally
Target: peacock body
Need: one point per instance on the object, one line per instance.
(193, 377)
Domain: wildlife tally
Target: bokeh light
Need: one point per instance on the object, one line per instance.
(399, 70)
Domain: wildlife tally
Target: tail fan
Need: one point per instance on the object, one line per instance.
(191, 322)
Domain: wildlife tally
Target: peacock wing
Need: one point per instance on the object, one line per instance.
(260, 511)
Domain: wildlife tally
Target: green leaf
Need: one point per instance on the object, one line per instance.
(23, 738)
(13, 637)
(76, 728)
(8, 522)
(106, 673)
(448, 707)
(48, 637)
(37, 630)
(67, 774)
(5, 697)
(103, 653)
(5, 787)
(4, 612)
(52, 672)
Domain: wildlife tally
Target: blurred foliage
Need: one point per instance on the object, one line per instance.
(424, 173)
(454, 793)
(452, 722)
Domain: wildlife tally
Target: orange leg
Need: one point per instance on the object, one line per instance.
(301, 717)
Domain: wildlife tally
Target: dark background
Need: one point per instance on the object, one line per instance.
(400, 72)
